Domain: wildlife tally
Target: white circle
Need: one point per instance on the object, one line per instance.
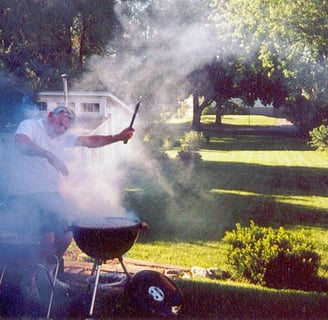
(156, 293)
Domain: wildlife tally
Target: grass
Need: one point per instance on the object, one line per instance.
(204, 253)
(228, 301)
(275, 180)
(245, 120)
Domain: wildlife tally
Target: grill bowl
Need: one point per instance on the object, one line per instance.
(105, 238)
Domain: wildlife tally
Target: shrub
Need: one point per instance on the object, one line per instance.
(275, 258)
(192, 141)
(189, 157)
(306, 113)
(190, 145)
(319, 138)
(294, 271)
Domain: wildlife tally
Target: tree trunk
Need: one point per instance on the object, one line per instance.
(197, 112)
(218, 115)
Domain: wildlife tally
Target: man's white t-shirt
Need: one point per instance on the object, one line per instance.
(34, 174)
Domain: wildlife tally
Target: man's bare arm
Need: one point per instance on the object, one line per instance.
(25, 145)
(96, 141)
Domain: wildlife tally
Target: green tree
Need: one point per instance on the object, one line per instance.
(41, 39)
(231, 77)
(214, 82)
(291, 38)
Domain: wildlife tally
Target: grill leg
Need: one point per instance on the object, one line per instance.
(98, 267)
(53, 286)
(120, 259)
(2, 273)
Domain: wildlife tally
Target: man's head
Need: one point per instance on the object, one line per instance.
(60, 120)
(69, 113)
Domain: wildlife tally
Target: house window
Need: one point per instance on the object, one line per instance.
(42, 106)
(90, 107)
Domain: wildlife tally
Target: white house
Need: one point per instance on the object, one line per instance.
(86, 104)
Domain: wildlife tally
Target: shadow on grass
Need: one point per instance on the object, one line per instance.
(243, 137)
(238, 142)
(211, 224)
(212, 201)
(262, 179)
(224, 301)
(213, 301)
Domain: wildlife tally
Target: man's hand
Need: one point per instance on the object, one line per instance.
(126, 134)
(57, 163)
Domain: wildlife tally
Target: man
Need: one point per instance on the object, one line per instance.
(33, 187)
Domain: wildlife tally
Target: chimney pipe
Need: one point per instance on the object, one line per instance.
(64, 77)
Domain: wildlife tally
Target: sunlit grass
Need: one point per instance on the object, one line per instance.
(279, 179)
(245, 120)
(186, 121)
(203, 254)
(310, 159)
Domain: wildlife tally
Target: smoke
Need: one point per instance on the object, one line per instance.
(98, 177)
(161, 44)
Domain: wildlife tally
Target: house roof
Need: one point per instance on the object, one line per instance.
(89, 94)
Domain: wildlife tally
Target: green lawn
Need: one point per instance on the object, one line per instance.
(274, 180)
(228, 301)
(253, 120)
